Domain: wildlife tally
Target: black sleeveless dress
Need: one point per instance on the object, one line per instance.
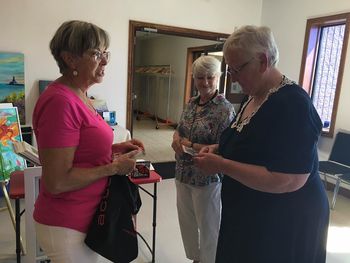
(260, 227)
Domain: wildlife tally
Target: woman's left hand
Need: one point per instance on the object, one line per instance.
(125, 147)
(208, 163)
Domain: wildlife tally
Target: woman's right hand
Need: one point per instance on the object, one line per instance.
(124, 163)
(208, 163)
(213, 148)
(127, 146)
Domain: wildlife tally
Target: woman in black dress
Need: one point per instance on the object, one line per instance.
(274, 206)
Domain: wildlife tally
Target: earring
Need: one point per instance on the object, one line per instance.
(75, 73)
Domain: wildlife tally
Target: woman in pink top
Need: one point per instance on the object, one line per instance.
(75, 145)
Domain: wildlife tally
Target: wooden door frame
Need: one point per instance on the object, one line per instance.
(162, 29)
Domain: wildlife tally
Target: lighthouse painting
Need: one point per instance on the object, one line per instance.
(12, 81)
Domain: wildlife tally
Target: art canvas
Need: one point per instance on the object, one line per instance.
(43, 85)
(10, 131)
(12, 88)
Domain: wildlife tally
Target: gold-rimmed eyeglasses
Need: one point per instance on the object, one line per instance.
(99, 55)
(236, 71)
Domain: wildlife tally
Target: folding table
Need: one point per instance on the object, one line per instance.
(153, 178)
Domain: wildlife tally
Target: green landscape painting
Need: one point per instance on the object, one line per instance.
(12, 81)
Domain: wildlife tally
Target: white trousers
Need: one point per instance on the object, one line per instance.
(199, 212)
(64, 245)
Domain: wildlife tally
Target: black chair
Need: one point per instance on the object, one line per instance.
(338, 164)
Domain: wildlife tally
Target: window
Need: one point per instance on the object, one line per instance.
(323, 62)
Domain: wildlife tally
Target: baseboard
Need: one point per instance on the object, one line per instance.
(165, 169)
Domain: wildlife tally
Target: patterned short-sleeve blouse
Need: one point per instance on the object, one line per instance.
(203, 127)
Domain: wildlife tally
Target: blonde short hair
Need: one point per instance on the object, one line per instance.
(254, 40)
(206, 65)
(76, 37)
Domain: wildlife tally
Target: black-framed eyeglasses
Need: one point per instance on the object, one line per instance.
(236, 71)
(99, 55)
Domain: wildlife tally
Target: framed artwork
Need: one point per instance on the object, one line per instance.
(43, 84)
(12, 88)
(10, 130)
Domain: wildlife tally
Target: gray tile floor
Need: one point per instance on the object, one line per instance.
(168, 243)
(157, 141)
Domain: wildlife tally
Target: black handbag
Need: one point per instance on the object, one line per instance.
(112, 233)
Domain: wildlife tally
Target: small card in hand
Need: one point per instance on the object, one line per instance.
(189, 150)
(142, 169)
(188, 154)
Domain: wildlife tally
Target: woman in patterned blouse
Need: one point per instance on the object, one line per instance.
(198, 195)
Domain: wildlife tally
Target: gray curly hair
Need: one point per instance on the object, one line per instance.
(254, 40)
(206, 65)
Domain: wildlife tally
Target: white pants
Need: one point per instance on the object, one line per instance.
(199, 212)
(64, 245)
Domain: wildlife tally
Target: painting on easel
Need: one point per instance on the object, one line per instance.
(12, 81)
(10, 131)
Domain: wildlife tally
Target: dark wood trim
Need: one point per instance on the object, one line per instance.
(129, 100)
(162, 29)
(188, 77)
(307, 68)
(178, 31)
(340, 76)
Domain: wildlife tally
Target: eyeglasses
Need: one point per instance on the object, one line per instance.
(99, 55)
(236, 71)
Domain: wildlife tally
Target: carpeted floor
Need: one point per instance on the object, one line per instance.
(165, 169)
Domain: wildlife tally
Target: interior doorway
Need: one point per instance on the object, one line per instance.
(153, 50)
(137, 26)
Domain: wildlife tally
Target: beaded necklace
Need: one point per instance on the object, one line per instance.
(238, 124)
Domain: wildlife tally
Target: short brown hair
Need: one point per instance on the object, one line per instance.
(77, 37)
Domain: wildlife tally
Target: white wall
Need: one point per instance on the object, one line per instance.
(287, 19)
(28, 25)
